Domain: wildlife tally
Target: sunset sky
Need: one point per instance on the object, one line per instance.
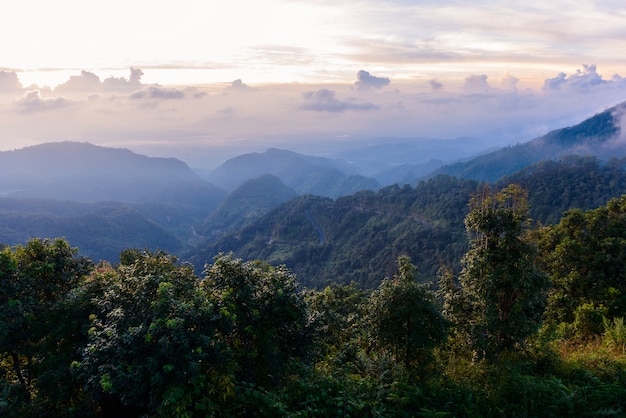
(201, 78)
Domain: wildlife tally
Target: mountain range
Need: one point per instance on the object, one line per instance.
(349, 212)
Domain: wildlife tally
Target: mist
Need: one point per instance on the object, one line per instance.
(205, 125)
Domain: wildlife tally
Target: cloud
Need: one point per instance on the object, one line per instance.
(121, 85)
(199, 124)
(89, 83)
(509, 82)
(583, 79)
(32, 102)
(10, 83)
(238, 85)
(476, 84)
(85, 82)
(367, 81)
(324, 100)
(158, 92)
(435, 85)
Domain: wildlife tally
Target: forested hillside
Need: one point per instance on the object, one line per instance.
(598, 136)
(533, 325)
(357, 238)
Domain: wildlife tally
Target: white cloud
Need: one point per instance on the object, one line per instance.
(325, 100)
(583, 79)
(157, 92)
(476, 84)
(10, 83)
(33, 102)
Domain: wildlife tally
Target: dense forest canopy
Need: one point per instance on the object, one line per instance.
(532, 324)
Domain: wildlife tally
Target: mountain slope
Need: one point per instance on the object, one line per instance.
(305, 174)
(248, 202)
(85, 172)
(599, 135)
(358, 237)
(99, 230)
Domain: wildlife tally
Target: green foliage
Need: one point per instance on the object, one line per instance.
(34, 279)
(615, 333)
(501, 297)
(363, 234)
(584, 255)
(404, 318)
(571, 182)
(335, 316)
(588, 320)
(267, 314)
(153, 345)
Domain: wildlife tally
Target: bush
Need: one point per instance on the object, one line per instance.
(614, 333)
(588, 320)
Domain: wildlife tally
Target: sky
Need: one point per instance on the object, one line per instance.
(205, 80)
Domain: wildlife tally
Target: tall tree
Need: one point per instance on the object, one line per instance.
(267, 312)
(404, 317)
(501, 294)
(152, 345)
(34, 278)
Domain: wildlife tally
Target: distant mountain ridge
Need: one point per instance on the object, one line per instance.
(365, 232)
(599, 135)
(85, 172)
(305, 174)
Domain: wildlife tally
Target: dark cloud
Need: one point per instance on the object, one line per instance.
(367, 81)
(157, 92)
(435, 85)
(583, 79)
(476, 84)
(10, 83)
(324, 100)
(32, 102)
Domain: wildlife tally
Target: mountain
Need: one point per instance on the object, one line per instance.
(357, 238)
(87, 173)
(571, 182)
(249, 201)
(397, 160)
(99, 230)
(305, 174)
(103, 200)
(599, 135)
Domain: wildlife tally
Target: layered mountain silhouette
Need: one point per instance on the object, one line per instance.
(305, 174)
(87, 173)
(600, 136)
(260, 205)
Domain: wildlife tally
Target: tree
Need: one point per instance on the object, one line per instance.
(584, 255)
(153, 346)
(267, 313)
(34, 278)
(404, 317)
(501, 294)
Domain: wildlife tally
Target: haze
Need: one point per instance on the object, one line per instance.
(204, 80)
